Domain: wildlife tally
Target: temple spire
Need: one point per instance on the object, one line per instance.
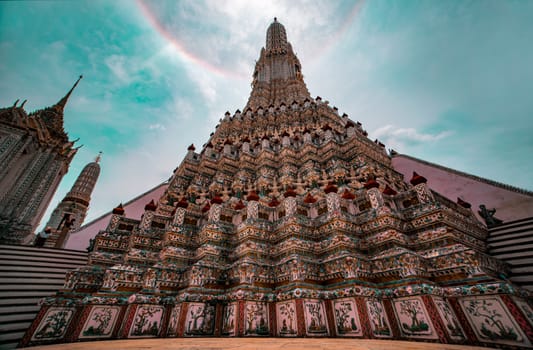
(98, 157)
(277, 75)
(276, 40)
(63, 102)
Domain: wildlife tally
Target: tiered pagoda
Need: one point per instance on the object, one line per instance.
(72, 210)
(290, 222)
(35, 154)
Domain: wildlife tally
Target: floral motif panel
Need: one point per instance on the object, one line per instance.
(172, 329)
(379, 321)
(347, 322)
(492, 322)
(256, 318)
(100, 322)
(413, 319)
(229, 322)
(147, 321)
(200, 319)
(54, 324)
(448, 317)
(315, 318)
(287, 319)
(526, 309)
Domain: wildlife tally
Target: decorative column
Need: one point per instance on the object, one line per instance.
(214, 213)
(307, 136)
(350, 129)
(328, 134)
(375, 197)
(146, 220)
(190, 151)
(246, 145)
(422, 190)
(227, 147)
(285, 141)
(252, 209)
(290, 202)
(265, 143)
(117, 213)
(179, 216)
(332, 200)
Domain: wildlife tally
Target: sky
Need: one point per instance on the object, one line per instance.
(450, 82)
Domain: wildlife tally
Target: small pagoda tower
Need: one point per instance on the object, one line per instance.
(290, 222)
(70, 213)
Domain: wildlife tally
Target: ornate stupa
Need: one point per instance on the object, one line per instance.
(72, 210)
(290, 222)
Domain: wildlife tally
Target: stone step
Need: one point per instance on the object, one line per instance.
(507, 229)
(518, 248)
(513, 223)
(37, 253)
(22, 248)
(515, 255)
(52, 286)
(41, 260)
(13, 294)
(34, 269)
(8, 345)
(12, 336)
(522, 279)
(28, 274)
(515, 234)
(18, 309)
(31, 274)
(527, 286)
(33, 300)
(520, 262)
(18, 317)
(31, 264)
(38, 283)
(511, 241)
(14, 326)
(522, 270)
(504, 229)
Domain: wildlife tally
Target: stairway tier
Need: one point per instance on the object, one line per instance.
(27, 274)
(512, 242)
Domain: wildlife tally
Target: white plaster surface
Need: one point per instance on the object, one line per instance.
(510, 205)
(133, 209)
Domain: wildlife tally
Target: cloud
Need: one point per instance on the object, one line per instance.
(117, 66)
(233, 31)
(401, 138)
(157, 126)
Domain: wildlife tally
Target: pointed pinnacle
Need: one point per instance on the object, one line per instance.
(62, 103)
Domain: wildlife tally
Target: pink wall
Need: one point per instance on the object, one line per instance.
(510, 204)
(133, 209)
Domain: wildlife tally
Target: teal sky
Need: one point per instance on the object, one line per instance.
(450, 82)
